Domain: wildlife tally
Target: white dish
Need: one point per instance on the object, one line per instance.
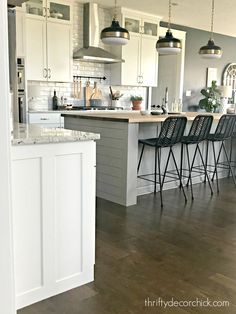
(56, 15)
(144, 112)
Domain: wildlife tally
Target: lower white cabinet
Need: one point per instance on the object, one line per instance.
(47, 119)
(53, 192)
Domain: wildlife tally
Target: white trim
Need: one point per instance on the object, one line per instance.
(7, 293)
(181, 58)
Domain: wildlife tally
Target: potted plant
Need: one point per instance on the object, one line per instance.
(212, 98)
(136, 101)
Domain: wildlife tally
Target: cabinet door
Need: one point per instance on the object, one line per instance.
(59, 52)
(131, 55)
(36, 49)
(149, 59)
(59, 11)
(20, 33)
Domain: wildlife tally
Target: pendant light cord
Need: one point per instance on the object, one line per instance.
(169, 20)
(115, 11)
(212, 18)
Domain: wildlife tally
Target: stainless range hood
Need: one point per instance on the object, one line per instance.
(14, 3)
(91, 52)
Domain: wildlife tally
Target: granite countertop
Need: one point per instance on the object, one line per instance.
(131, 117)
(28, 134)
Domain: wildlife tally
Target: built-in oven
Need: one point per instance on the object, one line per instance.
(21, 98)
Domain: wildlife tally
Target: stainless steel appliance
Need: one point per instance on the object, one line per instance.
(91, 52)
(17, 72)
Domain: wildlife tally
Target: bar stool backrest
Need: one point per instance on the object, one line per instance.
(172, 131)
(225, 127)
(200, 128)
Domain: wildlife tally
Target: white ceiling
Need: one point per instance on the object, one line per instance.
(192, 13)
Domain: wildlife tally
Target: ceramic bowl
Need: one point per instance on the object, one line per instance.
(145, 112)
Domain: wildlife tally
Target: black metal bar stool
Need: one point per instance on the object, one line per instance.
(198, 133)
(223, 132)
(170, 134)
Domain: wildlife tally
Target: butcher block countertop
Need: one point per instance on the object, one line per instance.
(131, 117)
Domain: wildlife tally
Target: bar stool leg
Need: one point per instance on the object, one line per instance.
(194, 157)
(215, 171)
(205, 169)
(140, 158)
(155, 173)
(177, 170)
(217, 161)
(231, 170)
(181, 163)
(230, 153)
(207, 150)
(159, 172)
(190, 176)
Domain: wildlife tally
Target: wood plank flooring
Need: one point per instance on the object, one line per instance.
(184, 252)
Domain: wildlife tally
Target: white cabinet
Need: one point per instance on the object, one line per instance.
(141, 58)
(48, 42)
(36, 63)
(47, 119)
(20, 33)
(53, 193)
(57, 10)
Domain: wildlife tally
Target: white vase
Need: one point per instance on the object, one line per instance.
(224, 105)
(115, 103)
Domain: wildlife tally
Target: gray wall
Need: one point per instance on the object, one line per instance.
(196, 67)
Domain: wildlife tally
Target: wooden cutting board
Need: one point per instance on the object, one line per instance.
(88, 93)
(97, 94)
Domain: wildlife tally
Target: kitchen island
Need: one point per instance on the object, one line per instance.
(118, 151)
(53, 193)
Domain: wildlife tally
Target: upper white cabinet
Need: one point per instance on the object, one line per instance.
(20, 32)
(57, 10)
(141, 58)
(48, 41)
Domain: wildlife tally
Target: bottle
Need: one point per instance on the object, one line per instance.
(54, 101)
(166, 100)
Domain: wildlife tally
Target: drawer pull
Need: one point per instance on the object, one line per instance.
(44, 119)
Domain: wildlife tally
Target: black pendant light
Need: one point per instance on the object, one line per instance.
(115, 34)
(169, 45)
(211, 51)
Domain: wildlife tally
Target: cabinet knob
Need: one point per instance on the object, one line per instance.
(44, 11)
(45, 73)
(49, 73)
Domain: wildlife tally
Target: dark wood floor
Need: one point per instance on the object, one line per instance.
(187, 252)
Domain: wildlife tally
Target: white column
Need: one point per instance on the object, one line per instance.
(7, 293)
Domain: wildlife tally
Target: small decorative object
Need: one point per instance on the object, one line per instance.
(156, 110)
(225, 94)
(115, 97)
(212, 98)
(137, 102)
(211, 76)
